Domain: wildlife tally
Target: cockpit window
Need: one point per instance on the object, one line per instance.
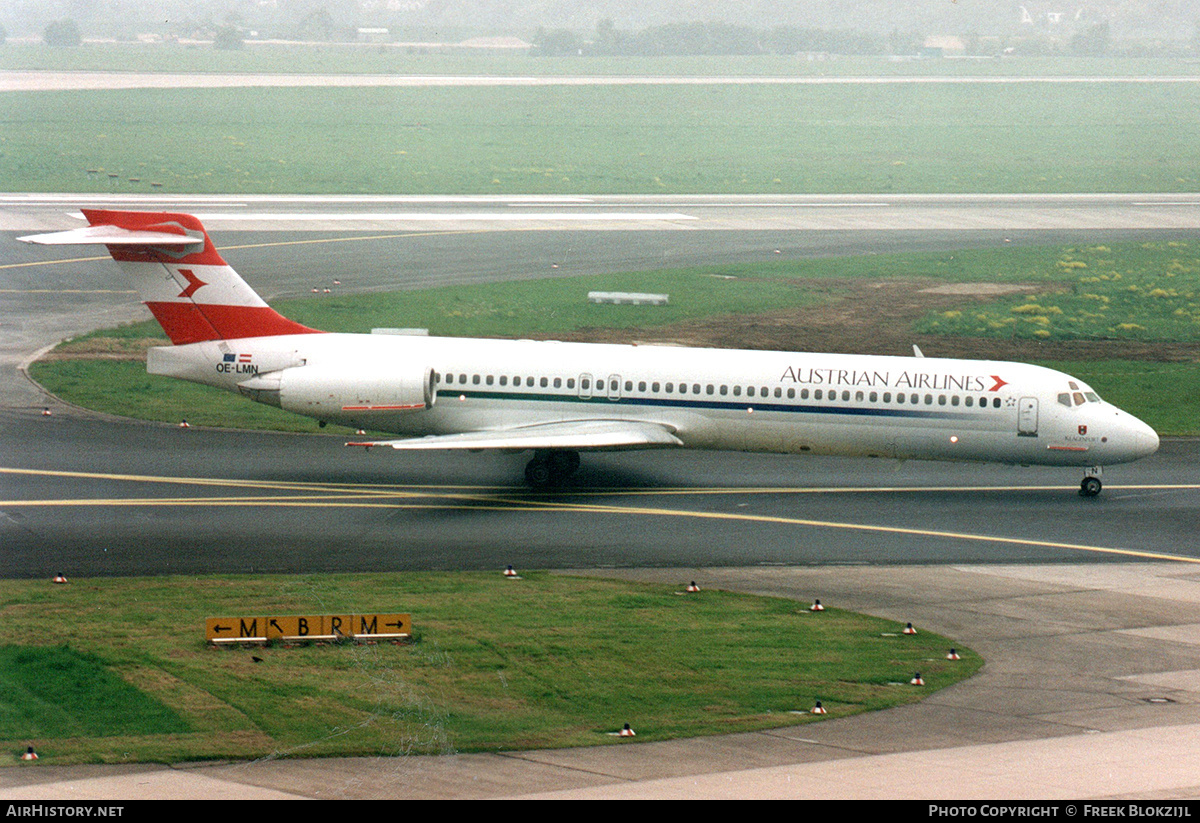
(1075, 397)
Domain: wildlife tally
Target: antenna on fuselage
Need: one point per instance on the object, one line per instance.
(917, 351)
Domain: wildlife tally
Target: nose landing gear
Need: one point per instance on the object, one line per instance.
(1090, 485)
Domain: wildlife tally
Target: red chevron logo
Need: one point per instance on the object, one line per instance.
(999, 383)
(194, 283)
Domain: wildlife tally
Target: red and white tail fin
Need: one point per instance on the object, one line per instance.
(182, 278)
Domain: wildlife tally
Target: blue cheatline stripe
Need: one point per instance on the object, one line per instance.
(716, 405)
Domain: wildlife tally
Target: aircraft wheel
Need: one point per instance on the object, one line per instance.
(1089, 487)
(551, 468)
(537, 472)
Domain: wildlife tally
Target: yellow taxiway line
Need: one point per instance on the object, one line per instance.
(340, 495)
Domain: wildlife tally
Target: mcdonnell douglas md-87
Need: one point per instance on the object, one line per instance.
(559, 399)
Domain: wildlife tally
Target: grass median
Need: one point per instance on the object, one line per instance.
(496, 664)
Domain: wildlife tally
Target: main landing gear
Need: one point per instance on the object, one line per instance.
(1090, 485)
(549, 468)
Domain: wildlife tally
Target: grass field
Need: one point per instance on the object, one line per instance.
(607, 139)
(1147, 291)
(546, 661)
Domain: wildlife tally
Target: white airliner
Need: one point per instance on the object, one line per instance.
(560, 399)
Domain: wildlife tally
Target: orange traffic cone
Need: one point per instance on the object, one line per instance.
(953, 655)
(30, 754)
(917, 680)
(692, 587)
(818, 709)
(816, 606)
(909, 629)
(626, 732)
(60, 578)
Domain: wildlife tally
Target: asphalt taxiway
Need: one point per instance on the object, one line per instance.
(226, 501)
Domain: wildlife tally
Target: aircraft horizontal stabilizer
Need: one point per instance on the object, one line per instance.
(577, 435)
(112, 236)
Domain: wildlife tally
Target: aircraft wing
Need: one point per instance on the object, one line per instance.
(573, 435)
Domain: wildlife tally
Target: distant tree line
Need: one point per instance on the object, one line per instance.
(710, 39)
(62, 34)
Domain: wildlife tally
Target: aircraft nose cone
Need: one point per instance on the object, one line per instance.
(1146, 439)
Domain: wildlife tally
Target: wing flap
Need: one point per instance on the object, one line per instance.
(576, 435)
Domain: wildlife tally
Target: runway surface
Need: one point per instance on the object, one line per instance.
(89, 496)
(22, 80)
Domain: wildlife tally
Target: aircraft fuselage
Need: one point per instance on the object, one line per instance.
(855, 405)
